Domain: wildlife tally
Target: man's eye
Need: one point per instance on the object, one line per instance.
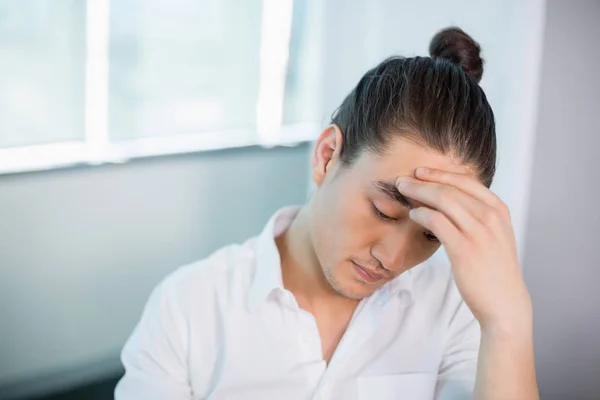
(381, 215)
(431, 237)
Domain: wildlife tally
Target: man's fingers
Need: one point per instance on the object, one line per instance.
(463, 182)
(437, 223)
(464, 211)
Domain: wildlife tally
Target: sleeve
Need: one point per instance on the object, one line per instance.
(155, 356)
(458, 369)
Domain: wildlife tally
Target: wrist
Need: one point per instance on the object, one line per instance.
(514, 324)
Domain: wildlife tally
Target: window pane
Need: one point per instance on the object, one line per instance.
(304, 69)
(183, 66)
(42, 71)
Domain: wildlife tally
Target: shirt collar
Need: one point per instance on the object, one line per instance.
(267, 275)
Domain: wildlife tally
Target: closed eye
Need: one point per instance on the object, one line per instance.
(428, 235)
(431, 237)
(381, 215)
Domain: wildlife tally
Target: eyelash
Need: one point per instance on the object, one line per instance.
(430, 237)
(381, 215)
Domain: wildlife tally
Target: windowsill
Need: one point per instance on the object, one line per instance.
(70, 154)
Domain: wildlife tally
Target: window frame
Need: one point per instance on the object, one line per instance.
(96, 147)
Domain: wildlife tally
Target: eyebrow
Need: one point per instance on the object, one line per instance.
(390, 190)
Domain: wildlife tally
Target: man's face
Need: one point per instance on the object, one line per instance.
(359, 224)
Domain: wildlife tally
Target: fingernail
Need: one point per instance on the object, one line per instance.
(422, 171)
(402, 184)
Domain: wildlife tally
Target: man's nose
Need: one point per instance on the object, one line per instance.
(391, 250)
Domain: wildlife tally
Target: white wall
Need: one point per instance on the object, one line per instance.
(562, 263)
(80, 249)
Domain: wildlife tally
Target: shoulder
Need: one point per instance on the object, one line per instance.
(437, 296)
(433, 283)
(224, 276)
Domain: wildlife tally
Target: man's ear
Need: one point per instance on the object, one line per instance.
(326, 153)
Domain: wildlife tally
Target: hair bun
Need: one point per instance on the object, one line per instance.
(459, 48)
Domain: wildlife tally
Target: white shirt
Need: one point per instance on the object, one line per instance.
(226, 328)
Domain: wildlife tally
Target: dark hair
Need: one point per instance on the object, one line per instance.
(435, 100)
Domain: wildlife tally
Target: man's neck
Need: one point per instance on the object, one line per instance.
(301, 271)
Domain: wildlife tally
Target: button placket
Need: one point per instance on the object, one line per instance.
(309, 336)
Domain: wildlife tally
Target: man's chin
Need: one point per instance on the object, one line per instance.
(356, 292)
(350, 288)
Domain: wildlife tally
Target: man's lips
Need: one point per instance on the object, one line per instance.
(366, 274)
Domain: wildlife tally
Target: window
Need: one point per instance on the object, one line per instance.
(42, 71)
(99, 81)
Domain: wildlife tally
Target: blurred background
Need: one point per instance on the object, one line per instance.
(138, 136)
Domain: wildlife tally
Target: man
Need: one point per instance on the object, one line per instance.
(340, 298)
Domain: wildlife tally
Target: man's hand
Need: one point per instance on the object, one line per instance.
(474, 226)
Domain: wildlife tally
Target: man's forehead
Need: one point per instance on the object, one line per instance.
(402, 157)
(390, 166)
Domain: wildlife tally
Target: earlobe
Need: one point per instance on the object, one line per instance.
(326, 152)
